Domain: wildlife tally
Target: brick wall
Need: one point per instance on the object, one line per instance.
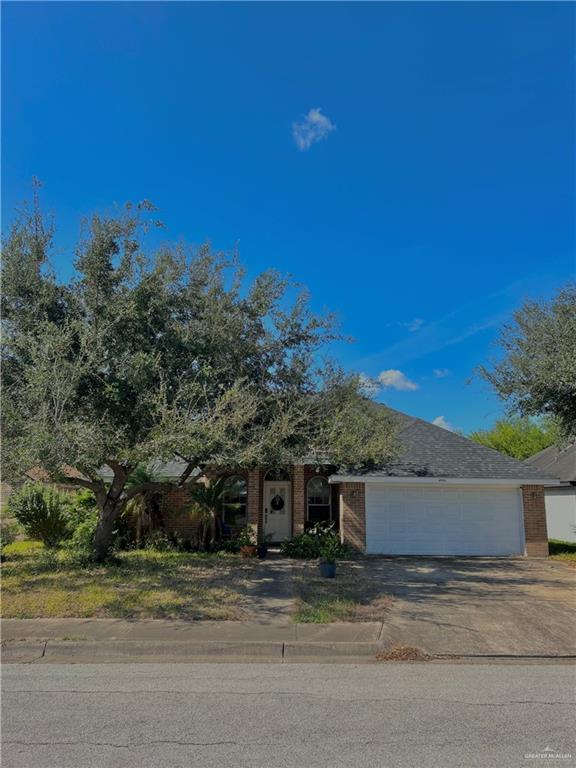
(298, 498)
(353, 515)
(176, 514)
(175, 501)
(254, 501)
(535, 532)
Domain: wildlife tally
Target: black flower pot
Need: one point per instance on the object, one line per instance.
(328, 570)
(262, 551)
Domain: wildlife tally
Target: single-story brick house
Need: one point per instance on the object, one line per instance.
(443, 495)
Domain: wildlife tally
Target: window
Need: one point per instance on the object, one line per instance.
(234, 502)
(319, 500)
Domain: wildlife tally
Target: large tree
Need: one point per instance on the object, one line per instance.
(518, 437)
(536, 375)
(148, 355)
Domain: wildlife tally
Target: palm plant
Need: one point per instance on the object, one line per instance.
(144, 507)
(208, 498)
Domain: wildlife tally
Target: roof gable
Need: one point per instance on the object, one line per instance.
(557, 461)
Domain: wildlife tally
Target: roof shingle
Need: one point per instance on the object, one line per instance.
(431, 451)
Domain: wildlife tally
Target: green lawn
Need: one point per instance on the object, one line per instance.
(563, 550)
(351, 596)
(142, 584)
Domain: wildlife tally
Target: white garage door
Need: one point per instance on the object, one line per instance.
(455, 520)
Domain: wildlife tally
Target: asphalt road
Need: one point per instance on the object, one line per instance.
(280, 715)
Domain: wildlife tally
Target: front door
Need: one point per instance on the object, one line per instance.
(277, 510)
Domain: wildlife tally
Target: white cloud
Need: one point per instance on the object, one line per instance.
(440, 421)
(393, 379)
(441, 373)
(314, 127)
(414, 325)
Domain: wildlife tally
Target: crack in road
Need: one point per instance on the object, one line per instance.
(131, 745)
(306, 694)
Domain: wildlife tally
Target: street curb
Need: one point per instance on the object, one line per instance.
(135, 650)
(121, 651)
(22, 651)
(316, 651)
(246, 651)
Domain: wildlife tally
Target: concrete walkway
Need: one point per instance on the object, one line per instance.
(270, 589)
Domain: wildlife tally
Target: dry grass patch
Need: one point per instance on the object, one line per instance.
(140, 584)
(352, 596)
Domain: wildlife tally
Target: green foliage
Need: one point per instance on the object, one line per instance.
(140, 517)
(206, 499)
(246, 537)
(227, 546)
(144, 356)
(331, 548)
(42, 511)
(518, 437)
(320, 541)
(562, 550)
(82, 539)
(81, 507)
(8, 533)
(537, 374)
(159, 541)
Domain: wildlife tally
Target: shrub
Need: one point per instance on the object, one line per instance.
(331, 549)
(82, 507)
(227, 546)
(8, 533)
(246, 537)
(159, 541)
(42, 511)
(82, 538)
(314, 542)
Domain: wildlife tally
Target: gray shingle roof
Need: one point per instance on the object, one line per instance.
(163, 470)
(431, 451)
(556, 461)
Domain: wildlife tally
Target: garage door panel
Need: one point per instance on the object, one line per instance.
(406, 520)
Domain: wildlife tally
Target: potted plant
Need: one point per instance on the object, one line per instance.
(329, 552)
(247, 543)
(262, 548)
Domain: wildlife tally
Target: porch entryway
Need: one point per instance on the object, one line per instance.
(277, 512)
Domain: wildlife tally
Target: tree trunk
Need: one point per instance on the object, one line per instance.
(103, 537)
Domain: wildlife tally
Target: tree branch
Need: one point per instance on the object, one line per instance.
(187, 472)
(91, 485)
(150, 486)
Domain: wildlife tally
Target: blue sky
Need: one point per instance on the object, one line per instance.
(412, 164)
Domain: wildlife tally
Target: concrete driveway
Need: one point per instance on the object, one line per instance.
(478, 605)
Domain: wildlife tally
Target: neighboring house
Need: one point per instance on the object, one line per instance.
(560, 499)
(444, 495)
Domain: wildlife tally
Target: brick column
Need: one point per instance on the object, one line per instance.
(535, 532)
(298, 499)
(253, 504)
(353, 515)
